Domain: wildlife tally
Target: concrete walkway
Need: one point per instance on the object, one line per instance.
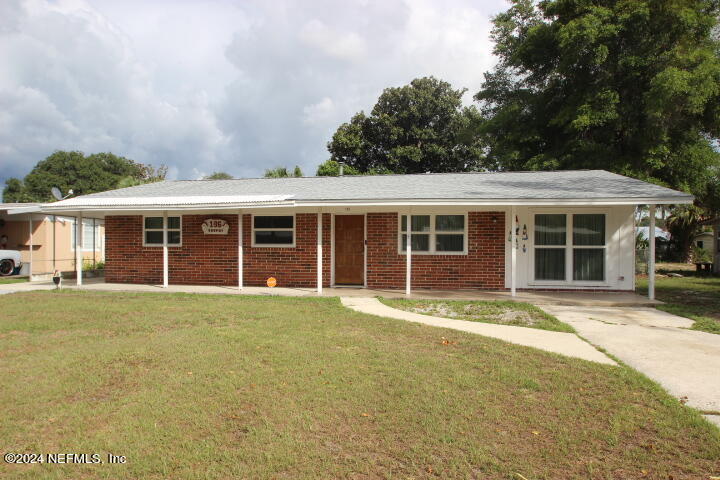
(557, 342)
(685, 362)
(608, 299)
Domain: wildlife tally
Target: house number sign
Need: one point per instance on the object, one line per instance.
(215, 226)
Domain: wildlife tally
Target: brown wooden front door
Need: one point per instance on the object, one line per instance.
(349, 249)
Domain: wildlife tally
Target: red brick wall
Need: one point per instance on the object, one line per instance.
(292, 267)
(483, 267)
(126, 260)
(213, 259)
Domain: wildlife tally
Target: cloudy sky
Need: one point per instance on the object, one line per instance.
(218, 85)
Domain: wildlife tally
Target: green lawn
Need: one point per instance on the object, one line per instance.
(692, 296)
(13, 280)
(502, 312)
(214, 387)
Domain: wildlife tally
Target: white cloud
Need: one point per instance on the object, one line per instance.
(342, 45)
(318, 112)
(217, 84)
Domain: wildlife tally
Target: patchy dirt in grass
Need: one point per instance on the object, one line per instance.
(504, 316)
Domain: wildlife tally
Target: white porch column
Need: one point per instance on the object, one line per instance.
(651, 259)
(240, 250)
(513, 252)
(165, 250)
(408, 254)
(319, 254)
(78, 249)
(31, 248)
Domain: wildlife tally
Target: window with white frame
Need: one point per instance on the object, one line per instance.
(273, 231)
(153, 231)
(434, 234)
(91, 239)
(570, 247)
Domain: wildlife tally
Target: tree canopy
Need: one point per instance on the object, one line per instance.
(631, 87)
(83, 174)
(282, 172)
(218, 176)
(417, 128)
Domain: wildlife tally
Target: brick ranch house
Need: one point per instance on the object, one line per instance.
(563, 230)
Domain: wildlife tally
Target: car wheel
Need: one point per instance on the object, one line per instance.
(7, 267)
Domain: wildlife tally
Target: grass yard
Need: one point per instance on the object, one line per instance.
(692, 296)
(501, 312)
(211, 387)
(13, 280)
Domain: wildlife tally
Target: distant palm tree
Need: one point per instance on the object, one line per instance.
(684, 223)
(283, 172)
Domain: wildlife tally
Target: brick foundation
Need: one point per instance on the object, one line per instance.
(213, 259)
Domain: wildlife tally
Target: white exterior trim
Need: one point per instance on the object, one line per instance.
(164, 216)
(318, 252)
(273, 245)
(78, 251)
(569, 248)
(433, 232)
(619, 249)
(240, 250)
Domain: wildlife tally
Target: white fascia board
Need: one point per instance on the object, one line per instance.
(21, 210)
(180, 207)
(498, 202)
(173, 201)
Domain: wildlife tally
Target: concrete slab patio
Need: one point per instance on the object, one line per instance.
(556, 342)
(658, 344)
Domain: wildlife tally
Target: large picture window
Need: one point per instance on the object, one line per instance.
(570, 247)
(273, 231)
(434, 234)
(153, 229)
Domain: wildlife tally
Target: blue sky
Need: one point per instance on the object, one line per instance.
(218, 85)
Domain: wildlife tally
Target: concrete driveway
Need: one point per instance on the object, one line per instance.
(658, 344)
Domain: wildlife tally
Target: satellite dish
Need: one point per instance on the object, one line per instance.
(56, 193)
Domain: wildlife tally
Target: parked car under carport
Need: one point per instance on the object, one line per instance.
(10, 260)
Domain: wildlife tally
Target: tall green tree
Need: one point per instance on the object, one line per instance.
(83, 174)
(627, 86)
(282, 172)
(417, 128)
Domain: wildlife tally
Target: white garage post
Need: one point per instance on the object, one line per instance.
(408, 254)
(319, 253)
(165, 250)
(651, 259)
(513, 253)
(31, 249)
(240, 250)
(78, 249)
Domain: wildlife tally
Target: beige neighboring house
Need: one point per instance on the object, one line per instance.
(47, 242)
(704, 240)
